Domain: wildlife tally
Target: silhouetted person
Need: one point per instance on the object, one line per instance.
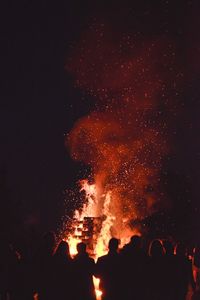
(196, 295)
(169, 274)
(84, 270)
(156, 271)
(8, 264)
(133, 270)
(63, 273)
(134, 245)
(62, 253)
(183, 272)
(45, 267)
(107, 269)
(169, 248)
(21, 279)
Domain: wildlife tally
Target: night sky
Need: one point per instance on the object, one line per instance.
(40, 103)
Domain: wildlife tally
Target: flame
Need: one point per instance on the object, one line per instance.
(73, 242)
(89, 209)
(107, 224)
(97, 290)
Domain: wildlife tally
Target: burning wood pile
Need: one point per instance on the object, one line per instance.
(87, 231)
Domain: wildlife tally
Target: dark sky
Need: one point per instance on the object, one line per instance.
(39, 102)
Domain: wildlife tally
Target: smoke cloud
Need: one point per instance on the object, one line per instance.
(125, 139)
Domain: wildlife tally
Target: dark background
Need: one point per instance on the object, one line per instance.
(39, 104)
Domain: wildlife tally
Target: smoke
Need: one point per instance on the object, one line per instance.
(125, 139)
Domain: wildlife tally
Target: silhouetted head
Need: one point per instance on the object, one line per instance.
(168, 246)
(156, 249)
(136, 241)
(63, 249)
(113, 244)
(181, 249)
(81, 248)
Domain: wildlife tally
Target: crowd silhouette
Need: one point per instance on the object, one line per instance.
(161, 271)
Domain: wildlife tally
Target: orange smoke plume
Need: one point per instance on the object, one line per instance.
(124, 139)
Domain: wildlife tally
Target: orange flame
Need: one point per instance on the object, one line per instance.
(90, 209)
